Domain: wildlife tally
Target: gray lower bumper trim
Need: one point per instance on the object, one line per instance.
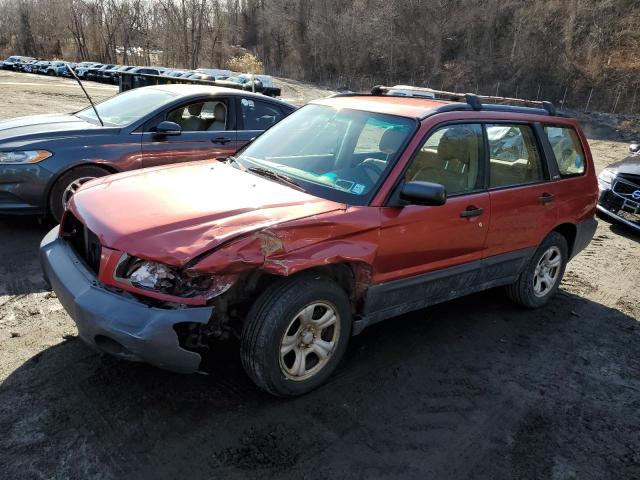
(146, 333)
(620, 219)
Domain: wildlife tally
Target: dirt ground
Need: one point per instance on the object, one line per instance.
(474, 388)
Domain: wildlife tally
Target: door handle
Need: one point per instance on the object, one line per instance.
(546, 198)
(221, 140)
(471, 211)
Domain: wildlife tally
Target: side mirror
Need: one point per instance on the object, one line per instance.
(167, 128)
(423, 193)
(634, 148)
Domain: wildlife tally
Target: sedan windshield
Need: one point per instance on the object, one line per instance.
(339, 154)
(128, 107)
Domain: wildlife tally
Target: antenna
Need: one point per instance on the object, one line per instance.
(85, 92)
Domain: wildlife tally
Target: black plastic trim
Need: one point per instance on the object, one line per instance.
(390, 299)
(585, 231)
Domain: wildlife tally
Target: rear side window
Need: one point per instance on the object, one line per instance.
(567, 150)
(513, 156)
(259, 115)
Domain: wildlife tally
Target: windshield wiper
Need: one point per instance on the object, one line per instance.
(282, 178)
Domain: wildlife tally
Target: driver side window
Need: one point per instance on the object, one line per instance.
(201, 116)
(451, 156)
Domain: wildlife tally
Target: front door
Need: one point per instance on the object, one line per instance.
(417, 242)
(208, 131)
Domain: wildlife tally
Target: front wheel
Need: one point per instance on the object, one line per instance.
(295, 335)
(67, 185)
(541, 278)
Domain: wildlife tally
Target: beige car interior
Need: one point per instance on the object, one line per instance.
(453, 162)
(390, 142)
(515, 168)
(200, 117)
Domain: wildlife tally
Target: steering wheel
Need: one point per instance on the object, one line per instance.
(371, 165)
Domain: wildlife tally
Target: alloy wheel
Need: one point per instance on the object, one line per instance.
(72, 188)
(547, 271)
(309, 341)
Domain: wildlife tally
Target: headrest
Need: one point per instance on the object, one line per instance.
(195, 109)
(391, 140)
(457, 143)
(220, 112)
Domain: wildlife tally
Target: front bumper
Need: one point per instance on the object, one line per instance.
(620, 207)
(113, 323)
(23, 188)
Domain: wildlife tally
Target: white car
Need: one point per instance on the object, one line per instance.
(407, 91)
(81, 68)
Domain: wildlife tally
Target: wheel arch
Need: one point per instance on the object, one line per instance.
(569, 232)
(353, 277)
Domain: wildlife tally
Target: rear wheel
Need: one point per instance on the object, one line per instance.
(295, 335)
(541, 278)
(67, 185)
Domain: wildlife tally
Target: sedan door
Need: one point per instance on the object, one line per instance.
(208, 131)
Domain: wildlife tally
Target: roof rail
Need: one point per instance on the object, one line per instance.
(473, 100)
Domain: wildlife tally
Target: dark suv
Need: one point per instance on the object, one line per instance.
(351, 210)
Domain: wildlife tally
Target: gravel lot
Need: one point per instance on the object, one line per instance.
(474, 388)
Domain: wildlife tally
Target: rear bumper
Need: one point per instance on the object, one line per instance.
(113, 323)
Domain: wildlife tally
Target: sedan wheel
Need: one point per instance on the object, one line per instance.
(72, 188)
(68, 184)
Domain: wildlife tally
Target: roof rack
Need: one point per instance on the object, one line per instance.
(473, 100)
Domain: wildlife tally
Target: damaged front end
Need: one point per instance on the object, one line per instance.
(171, 281)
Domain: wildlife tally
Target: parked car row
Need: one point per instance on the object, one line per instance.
(110, 73)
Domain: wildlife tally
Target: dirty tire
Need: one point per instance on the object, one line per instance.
(522, 291)
(268, 321)
(55, 197)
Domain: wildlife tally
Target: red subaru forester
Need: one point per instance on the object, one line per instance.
(352, 210)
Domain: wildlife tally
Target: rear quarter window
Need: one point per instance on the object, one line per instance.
(567, 150)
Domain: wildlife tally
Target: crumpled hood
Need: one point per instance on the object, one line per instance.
(172, 214)
(43, 126)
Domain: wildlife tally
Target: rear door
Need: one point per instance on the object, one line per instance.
(208, 132)
(523, 200)
(255, 116)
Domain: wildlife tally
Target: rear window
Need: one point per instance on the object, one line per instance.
(567, 150)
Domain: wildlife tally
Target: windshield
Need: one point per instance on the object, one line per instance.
(339, 154)
(127, 107)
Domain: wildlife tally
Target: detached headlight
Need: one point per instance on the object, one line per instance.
(606, 177)
(24, 156)
(162, 278)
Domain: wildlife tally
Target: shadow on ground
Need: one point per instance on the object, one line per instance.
(474, 388)
(20, 271)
